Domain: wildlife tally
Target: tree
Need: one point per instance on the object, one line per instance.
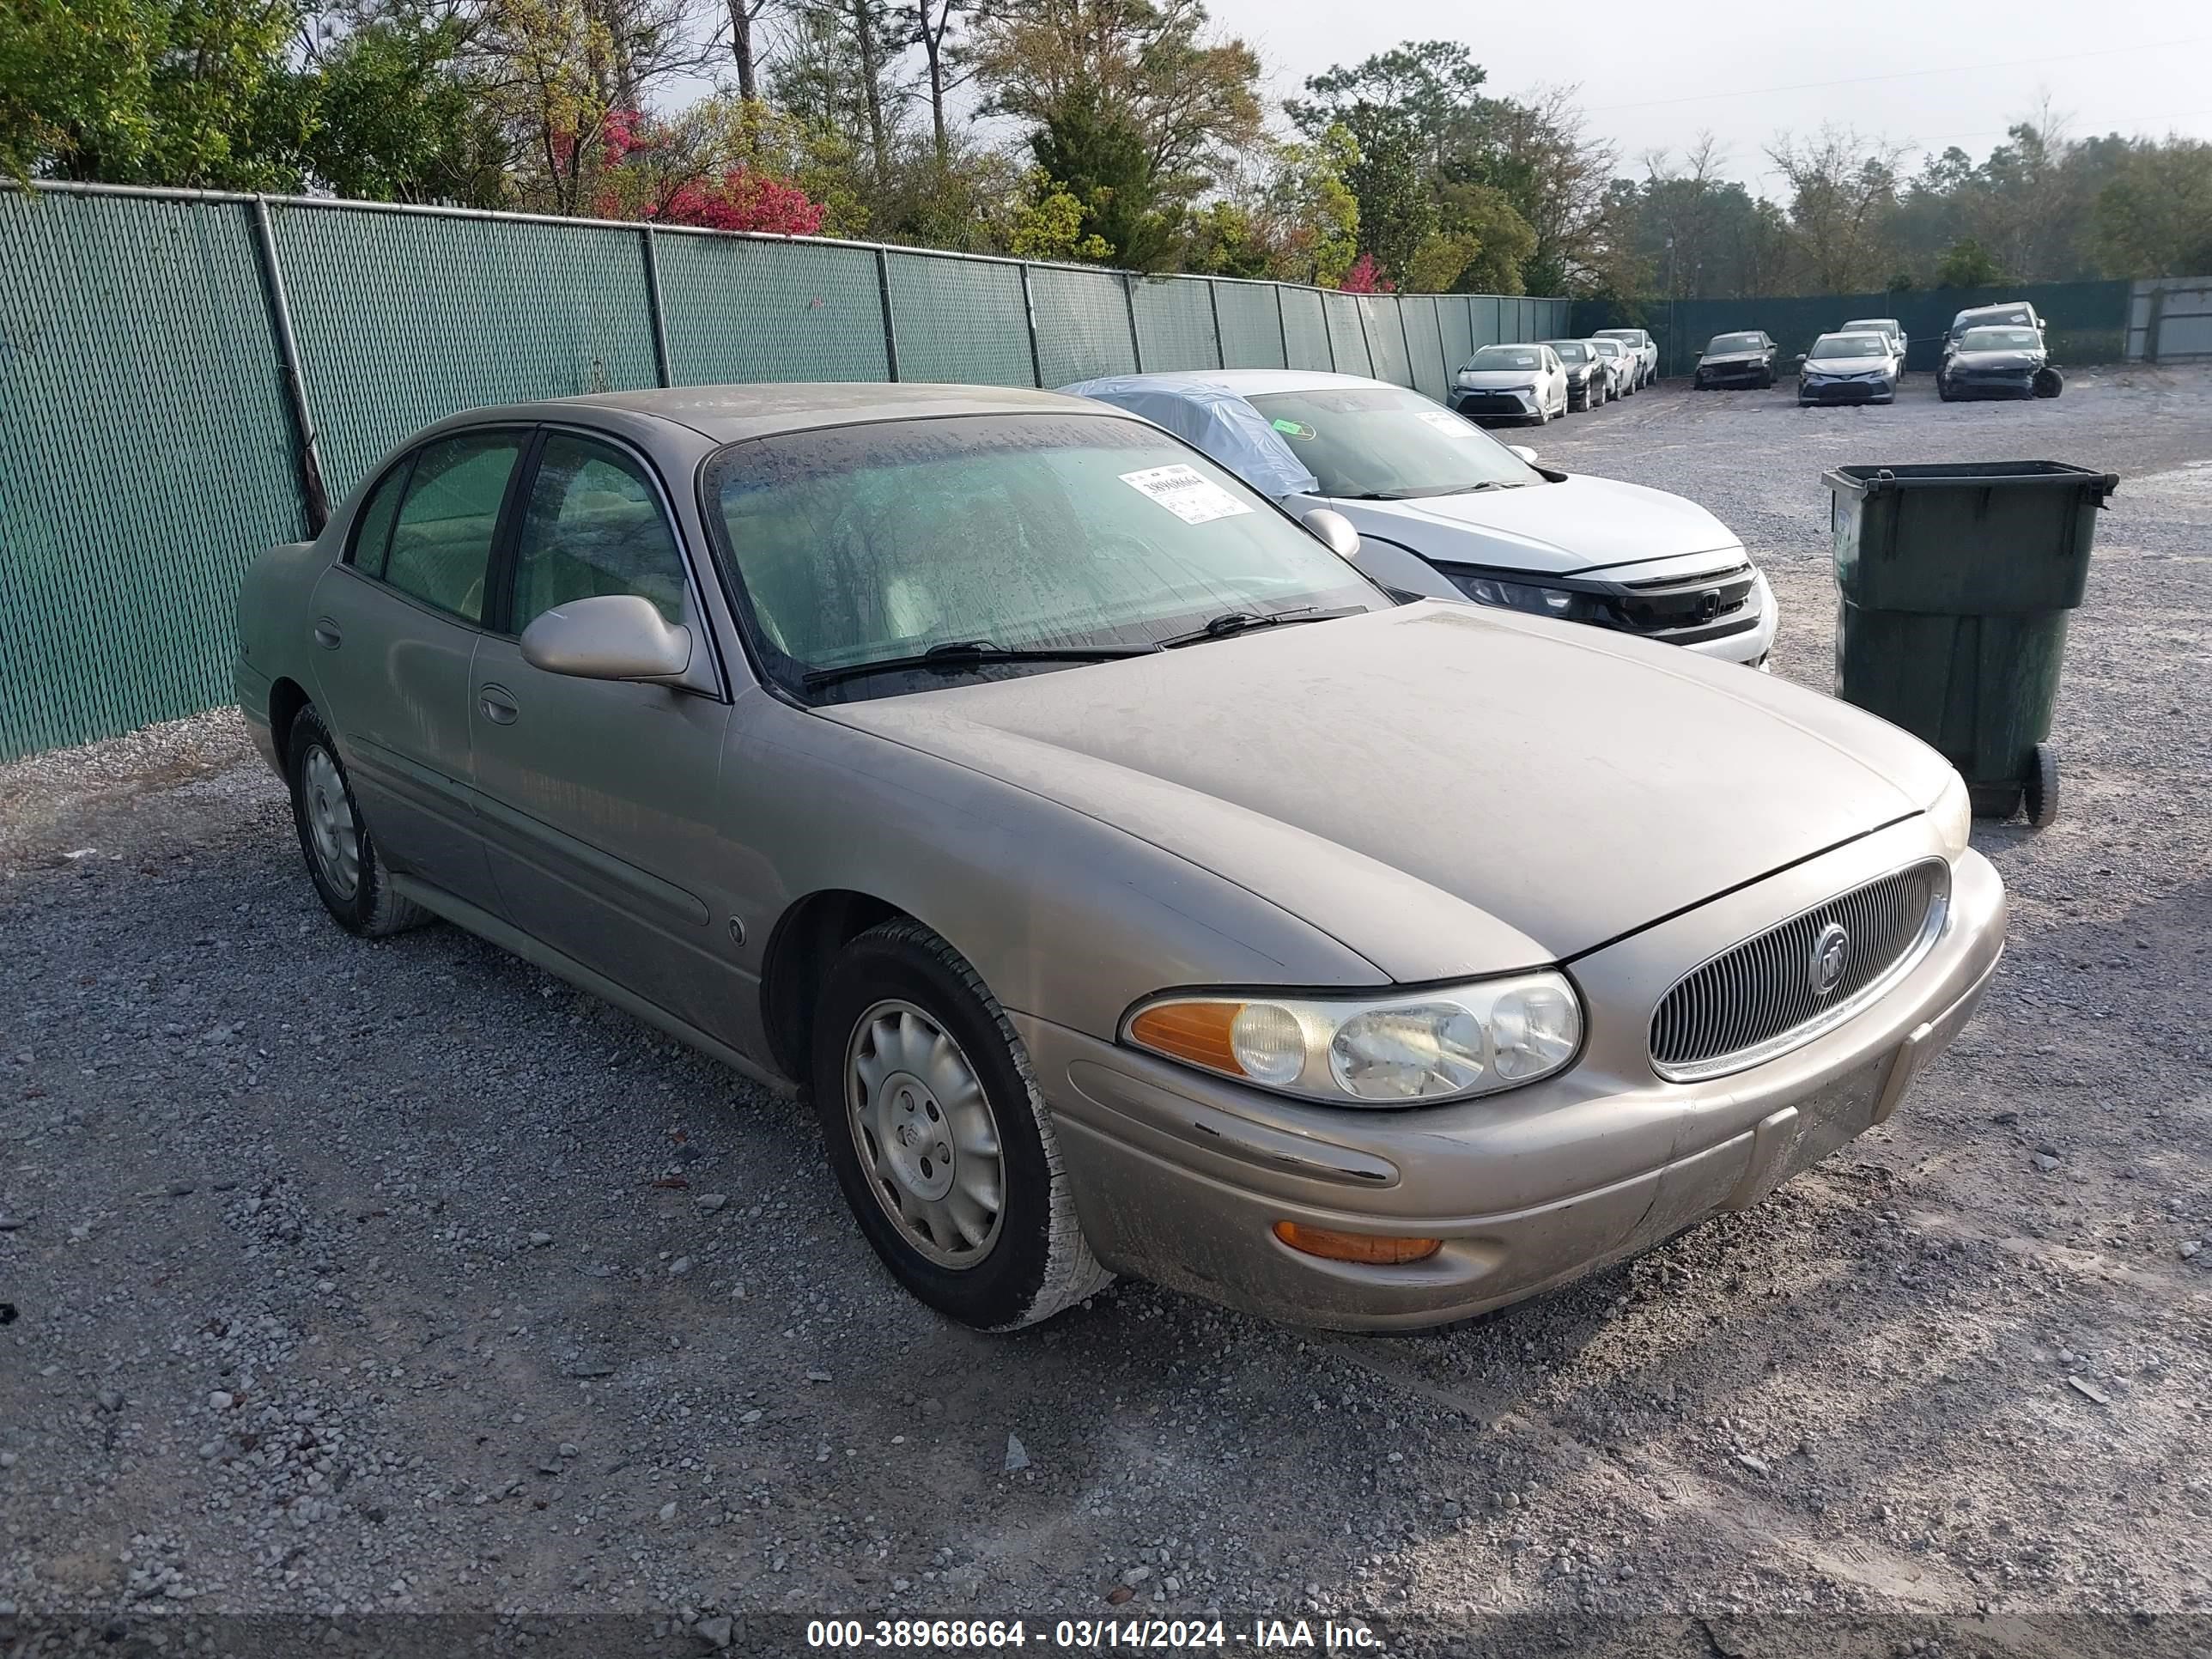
(1555, 176)
(398, 116)
(1051, 226)
(1286, 216)
(150, 92)
(1501, 243)
(1967, 264)
(1840, 187)
(1366, 277)
(1151, 68)
(1105, 162)
(1397, 209)
(841, 71)
(2155, 217)
(1426, 93)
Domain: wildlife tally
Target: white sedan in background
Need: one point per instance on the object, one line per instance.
(1512, 383)
(1445, 511)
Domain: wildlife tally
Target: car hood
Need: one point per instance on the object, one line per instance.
(1846, 366)
(1497, 378)
(1573, 525)
(1444, 791)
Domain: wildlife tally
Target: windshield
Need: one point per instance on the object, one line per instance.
(1629, 336)
(1490, 358)
(854, 543)
(2017, 319)
(1850, 345)
(1606, 348)
(1735, 343)
(2001, 339)
(1570, 351)
(1382, 442)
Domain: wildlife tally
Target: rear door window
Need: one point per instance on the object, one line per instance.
(442, 539)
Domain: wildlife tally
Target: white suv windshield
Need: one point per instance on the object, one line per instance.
(855, 544)
(1380, 443)
(1850, 345)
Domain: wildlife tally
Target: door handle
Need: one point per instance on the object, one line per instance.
(327, 635)
(498, 707)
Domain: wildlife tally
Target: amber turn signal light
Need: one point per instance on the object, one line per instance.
(1369, 1247)
(1196, 1031)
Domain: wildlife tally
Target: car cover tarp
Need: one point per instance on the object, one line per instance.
(1213, 419)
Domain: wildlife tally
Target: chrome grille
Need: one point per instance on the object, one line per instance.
(1762, 998)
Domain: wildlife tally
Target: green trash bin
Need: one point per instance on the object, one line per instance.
(1956, 579)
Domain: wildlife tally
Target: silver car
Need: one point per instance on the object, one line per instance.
(1132, 885)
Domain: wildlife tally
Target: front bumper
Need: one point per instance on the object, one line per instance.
(1179, 1178)
(1733, 374)
(1993, 386)
(1846, 391)
(1479, 403)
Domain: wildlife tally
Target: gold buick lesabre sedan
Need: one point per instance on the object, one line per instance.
(1135, 886)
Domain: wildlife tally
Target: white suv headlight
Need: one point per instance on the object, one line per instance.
(1413, 1048)
(1952, 815)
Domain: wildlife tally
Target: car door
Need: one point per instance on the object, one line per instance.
(1555, 382)
(396, 624)
(598, 797)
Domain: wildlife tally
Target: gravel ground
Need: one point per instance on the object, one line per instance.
(358, 1278)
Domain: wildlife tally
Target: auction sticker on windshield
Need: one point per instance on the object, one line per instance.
(1445, 421)
(1187, 493)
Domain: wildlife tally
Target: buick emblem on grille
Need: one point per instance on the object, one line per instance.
(1832, 954)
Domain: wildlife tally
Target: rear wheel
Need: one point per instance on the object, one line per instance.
(944, 1148)
(342, 861)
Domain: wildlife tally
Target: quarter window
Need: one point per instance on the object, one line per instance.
(595, 527)
(372, 530)
(442, 539)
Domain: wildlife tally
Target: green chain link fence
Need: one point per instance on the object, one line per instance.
(186, 377)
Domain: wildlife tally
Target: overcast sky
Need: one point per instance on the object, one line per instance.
(1651, 75)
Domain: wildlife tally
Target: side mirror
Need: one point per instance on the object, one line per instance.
(1799, 363)
(1524, 453)
(613, 636)
(1332, 530)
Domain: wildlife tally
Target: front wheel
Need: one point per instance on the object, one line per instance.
(942, 1145)
(1943, 389)
(1697, 383)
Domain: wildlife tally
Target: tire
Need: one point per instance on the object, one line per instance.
(1766, 379)
(1697, 383)
(2049, 382)
(897, 987)
(1943, 389)
(2040, 791)
(353, 882)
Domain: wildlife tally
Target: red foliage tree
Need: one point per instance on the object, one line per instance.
(644, 175)
(1365, 276)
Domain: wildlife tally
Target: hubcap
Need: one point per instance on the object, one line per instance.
(330, 823)
(923, 1128)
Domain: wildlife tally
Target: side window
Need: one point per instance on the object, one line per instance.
(372, 528)
(594, 526)
(442, 539)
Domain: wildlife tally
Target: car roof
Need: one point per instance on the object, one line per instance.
(1250, 382)
(1848, 333)
(1984, 311)
(725, 414)
(1859, 323)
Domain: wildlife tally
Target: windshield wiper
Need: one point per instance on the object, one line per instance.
(966, 653)
(1424, 491)
(1230, 623)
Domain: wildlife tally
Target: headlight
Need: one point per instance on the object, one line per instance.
(1421, 1047)
(1465, 379)
(1952, 815)
(1515, 596)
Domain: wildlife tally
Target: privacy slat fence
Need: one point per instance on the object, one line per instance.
(151, 443)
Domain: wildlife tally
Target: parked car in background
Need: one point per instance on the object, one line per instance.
(1620, 363)
(1511, 383)
(2013, 313)
(1996, 361)
(1889, 327)
(1590, 381)
(1130, 885)
(1849, 369)
(1639, 341)
(1741, 359)
(1445, 511)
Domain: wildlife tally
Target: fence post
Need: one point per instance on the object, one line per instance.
(1136, 341)
(1282, 325)
(1405, 335)
(653, 295)
(1029, 314)
(1359, 310)
(1213, 303)
(313, 499)
(890, 329)
(1329, 334)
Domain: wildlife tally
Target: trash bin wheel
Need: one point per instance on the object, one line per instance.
(2041, 786)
